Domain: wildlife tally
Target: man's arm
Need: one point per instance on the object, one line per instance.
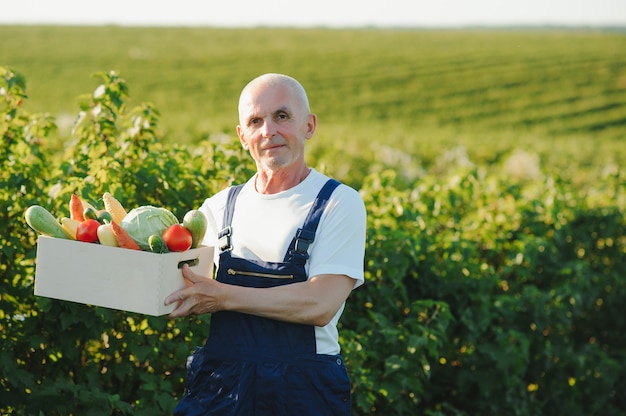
(314, 302)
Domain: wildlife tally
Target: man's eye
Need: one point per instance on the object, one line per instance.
(281, 116)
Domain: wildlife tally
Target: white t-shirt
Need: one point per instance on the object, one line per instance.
(264, 225)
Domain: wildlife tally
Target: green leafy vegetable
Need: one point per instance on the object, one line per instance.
(147, 220)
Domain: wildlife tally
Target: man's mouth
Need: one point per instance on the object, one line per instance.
(273, 146)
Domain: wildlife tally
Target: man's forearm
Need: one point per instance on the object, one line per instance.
(314, 302)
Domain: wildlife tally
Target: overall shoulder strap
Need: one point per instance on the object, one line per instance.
(299, 246)
(224, 241)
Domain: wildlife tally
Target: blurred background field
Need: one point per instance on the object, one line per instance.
(413, 100)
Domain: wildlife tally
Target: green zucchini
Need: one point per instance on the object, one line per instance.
(43, 222)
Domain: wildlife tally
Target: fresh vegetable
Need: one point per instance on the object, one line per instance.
(144, 221)
(157, 245)
(177, 238)
(42, 221)
(104, 217)
(196, 222)
(87, 231)
(76, 208)
(114, 207)
(146, 228)
(106, 236)
(70, 226)
(90, 213)
(124, 239)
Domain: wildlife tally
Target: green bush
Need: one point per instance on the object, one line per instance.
(485, 294)
(61, 358)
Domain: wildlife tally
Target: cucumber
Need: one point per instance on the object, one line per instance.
(157, 245)
(42, 221)
(196, 222)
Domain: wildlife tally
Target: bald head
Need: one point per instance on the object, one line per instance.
(275, 80)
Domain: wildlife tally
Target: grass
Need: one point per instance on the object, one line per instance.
(404, 95)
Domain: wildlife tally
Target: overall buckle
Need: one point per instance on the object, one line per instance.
(303, 240)
(224, 241)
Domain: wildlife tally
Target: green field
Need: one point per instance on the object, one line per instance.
(404, 97)
(491, 164)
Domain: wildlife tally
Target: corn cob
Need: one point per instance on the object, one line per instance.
(114, 207)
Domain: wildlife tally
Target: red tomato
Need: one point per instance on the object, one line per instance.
(177, 238)
(87, 231)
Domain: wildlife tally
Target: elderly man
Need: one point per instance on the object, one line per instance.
(289, 250)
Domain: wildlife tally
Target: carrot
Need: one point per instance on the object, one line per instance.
(124, 239)
(76, 208)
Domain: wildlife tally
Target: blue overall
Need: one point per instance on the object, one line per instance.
(254, 366)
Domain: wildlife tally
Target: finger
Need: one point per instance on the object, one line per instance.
(191, 275)
(180, 311)
(178, 296)
(190, 278)
(184, 307)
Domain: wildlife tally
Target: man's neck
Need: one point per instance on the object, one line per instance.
(273, 181)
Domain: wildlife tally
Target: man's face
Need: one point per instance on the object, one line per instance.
(274, 125)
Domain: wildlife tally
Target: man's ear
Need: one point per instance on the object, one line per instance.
(311, 125)
(242, 139)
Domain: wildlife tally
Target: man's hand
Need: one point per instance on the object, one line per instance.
(198, 297)
(314, 302)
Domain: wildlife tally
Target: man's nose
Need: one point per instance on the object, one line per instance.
(268, 130)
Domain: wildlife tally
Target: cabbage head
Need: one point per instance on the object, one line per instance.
(142, 222)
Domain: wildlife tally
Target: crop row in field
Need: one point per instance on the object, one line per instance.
(417, 92)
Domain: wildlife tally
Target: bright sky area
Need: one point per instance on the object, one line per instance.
(329, 13)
